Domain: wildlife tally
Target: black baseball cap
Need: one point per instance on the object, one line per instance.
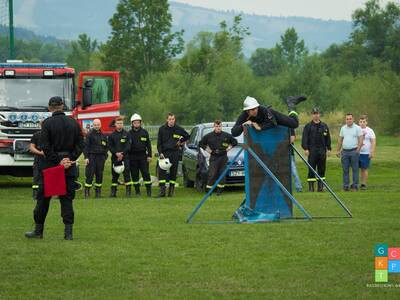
(315, 110)
(56, 101)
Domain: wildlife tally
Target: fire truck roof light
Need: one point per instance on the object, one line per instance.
(9, 73)
(32, 65)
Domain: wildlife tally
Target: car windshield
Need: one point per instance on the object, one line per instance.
(34, 93)
(226, 129)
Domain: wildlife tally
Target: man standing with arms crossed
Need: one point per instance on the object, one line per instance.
(62, 143)
(348, 148)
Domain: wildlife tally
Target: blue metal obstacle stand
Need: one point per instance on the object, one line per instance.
(269, 196)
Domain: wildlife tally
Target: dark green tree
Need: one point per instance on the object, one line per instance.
(266, 62)
(291, 49)
(141, 41)
(81, 53)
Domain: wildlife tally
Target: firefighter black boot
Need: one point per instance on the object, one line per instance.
(37, 233)
(292, 101)
(68, 232)
(320, 186)
(97, 192)
(113, 192)
(171, 190)
(148, 190)
(87, 192)
(128, 191)
(137, 190)
(311, 186)
(161, 194)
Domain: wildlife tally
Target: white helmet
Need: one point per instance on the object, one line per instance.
(164, 164)
(119, 168)
(136, 117)
(250, 103)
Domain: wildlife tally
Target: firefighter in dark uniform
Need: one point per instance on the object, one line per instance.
(139, 154)
(264, 117)
(35, 149)
(316, 142)
(217, 143)
(171, 138)
(62, 143)
(119, 145)
(95, 153)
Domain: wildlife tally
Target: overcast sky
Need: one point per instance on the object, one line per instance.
(321, 9)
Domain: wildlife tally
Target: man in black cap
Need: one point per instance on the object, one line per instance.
(62, 143)
(316, 142)
(217, 143)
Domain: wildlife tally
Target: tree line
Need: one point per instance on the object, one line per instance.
(209, 77)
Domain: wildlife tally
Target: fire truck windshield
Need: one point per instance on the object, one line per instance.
(34, 94)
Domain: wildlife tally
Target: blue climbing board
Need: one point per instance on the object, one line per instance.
(262, 194)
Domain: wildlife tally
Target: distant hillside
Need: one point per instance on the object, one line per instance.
(67, 19)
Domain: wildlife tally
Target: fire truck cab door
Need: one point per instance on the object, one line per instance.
(97, 98)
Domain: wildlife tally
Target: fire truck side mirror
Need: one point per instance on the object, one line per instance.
(87, 93)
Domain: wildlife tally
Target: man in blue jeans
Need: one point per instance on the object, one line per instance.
(349, 145)
(297, 182)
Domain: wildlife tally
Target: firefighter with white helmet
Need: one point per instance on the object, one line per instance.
(140, 154)
(170, 140)
(263, 117)
(119, 145)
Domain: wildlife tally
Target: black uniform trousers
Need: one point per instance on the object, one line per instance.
(95, 168)
(217, 166)
(36, 176)
(317, 160)
(115, 176)
(43, 203)
(136, 164)
(163, 176)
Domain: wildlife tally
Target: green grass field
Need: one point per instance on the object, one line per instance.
(142, 248)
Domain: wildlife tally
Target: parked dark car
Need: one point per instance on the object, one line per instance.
(195, 164)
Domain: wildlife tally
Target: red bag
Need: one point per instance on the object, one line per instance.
(54, 181)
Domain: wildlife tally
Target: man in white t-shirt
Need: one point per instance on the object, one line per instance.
(348, 148)
(367, 150)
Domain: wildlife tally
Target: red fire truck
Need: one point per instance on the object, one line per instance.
(25, 89)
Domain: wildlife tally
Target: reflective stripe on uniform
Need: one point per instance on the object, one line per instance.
(34, 186)
(220, 185)
(129, 183)
(135, 182)
(172, 181)
(97, 184)
(114, 184)
(147, 182)
(208, 186)
(88, 185)
(311, 179)
(162, 181)
(293, 113)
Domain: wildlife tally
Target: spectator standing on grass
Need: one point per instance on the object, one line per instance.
(367, 150)
(295, 174)
(316, 142)
(348, 149)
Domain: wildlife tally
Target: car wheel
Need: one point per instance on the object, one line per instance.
(186, 181)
